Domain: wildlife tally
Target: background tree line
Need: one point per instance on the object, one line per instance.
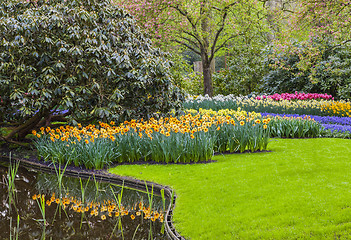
(258, 39)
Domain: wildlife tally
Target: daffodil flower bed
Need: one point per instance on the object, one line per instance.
(321, 107)
(192, 137)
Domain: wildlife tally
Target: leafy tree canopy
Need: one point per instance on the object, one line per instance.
(332, 73)
(206, 27)
(305, 22)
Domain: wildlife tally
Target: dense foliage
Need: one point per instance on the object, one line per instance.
(306, 21)
(245, 66)
(85, 56)
(330, 74)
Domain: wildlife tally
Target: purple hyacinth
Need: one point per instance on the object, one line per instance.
(336, 127)
(323, 120)
(339, 124)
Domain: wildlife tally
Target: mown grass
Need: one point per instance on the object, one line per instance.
(300, 190)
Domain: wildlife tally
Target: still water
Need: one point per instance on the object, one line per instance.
(45, 206)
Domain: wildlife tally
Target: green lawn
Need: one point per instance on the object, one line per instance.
(300, 190)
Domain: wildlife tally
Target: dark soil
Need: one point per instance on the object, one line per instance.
(160, 163)
(7, 149)
(244, 152)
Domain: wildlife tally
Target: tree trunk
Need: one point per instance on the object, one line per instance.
(208, 88)
(207, 73)
(22, 130)
(272, 6)
(205, 49)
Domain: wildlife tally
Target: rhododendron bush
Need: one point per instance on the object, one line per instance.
(85, 56)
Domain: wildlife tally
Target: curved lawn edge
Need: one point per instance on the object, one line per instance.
(299, 190)
(104, 176)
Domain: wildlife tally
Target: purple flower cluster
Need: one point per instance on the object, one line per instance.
(340, 124)
(323, 120)
(336, 127)
(296, 95)
(57, 112)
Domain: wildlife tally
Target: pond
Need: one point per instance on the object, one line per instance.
(36, 205)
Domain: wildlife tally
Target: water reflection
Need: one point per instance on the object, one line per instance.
(76, 209)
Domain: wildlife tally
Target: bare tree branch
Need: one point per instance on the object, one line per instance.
(188, 46)
(194, 36)
(226, 41)
(225, 14)
(186, 14)
(189, 40)
(15, 142)
(286, 9)
(339, 45)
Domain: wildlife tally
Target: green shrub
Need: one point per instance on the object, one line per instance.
(245, 71)
(330, 74)
(86, 56)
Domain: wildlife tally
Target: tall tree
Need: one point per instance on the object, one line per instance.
(206, 27)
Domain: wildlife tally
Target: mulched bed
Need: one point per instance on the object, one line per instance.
(244, 152)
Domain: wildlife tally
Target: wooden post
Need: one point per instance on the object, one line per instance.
(198, 66)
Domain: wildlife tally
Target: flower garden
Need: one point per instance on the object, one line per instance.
(253, 153)
(248, 125)
(104, 133)
(192, 137)
(197, 133)
(254, 184)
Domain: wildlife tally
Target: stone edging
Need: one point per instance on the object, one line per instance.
(104, 176)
